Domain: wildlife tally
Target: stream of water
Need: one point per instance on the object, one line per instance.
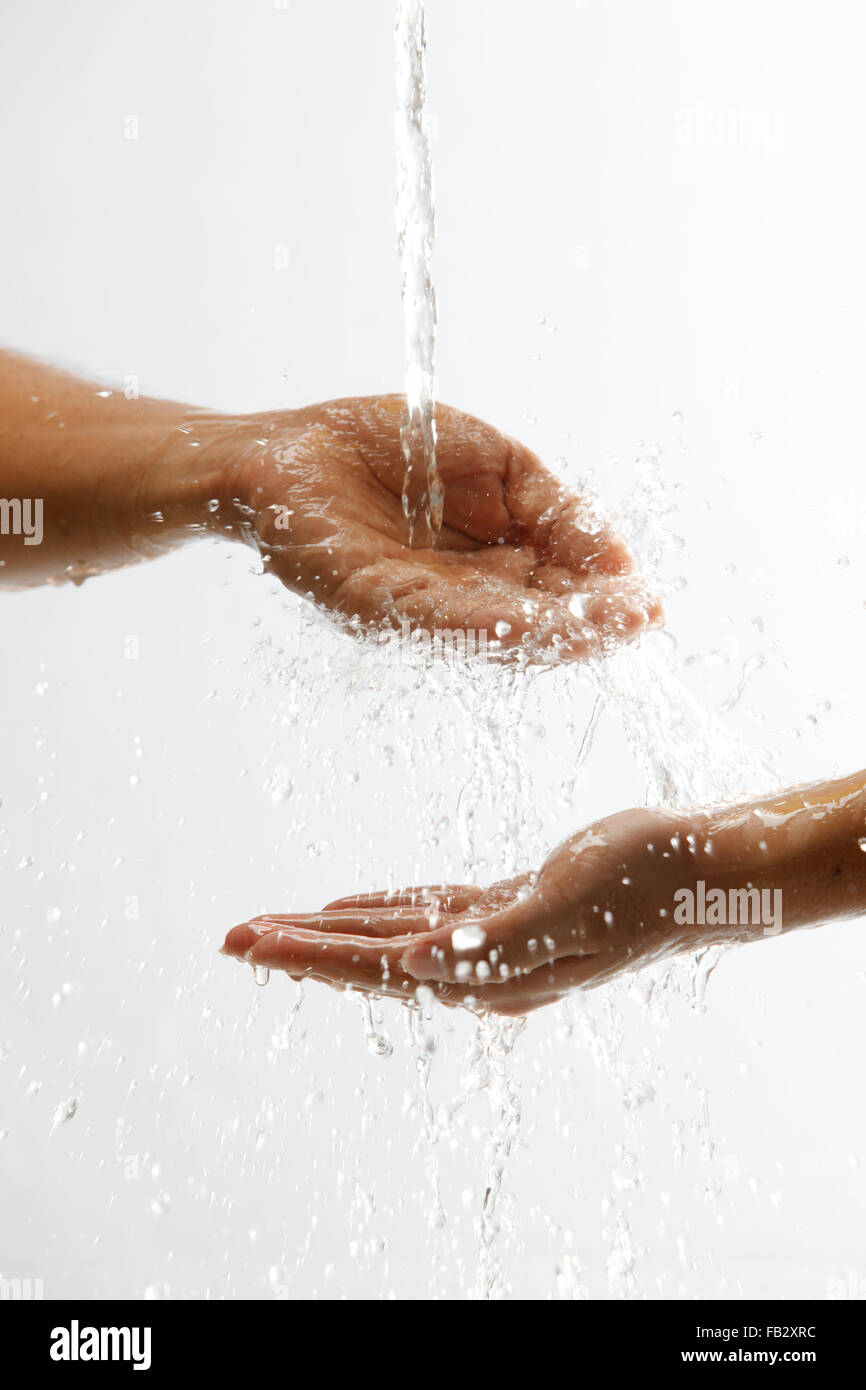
(685, 754)
(416, 228)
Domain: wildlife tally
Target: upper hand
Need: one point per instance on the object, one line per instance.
(519, 556)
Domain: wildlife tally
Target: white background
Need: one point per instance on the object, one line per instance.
(646, 210)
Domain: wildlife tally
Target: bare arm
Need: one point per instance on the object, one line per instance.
(634, 888)
(90, 480)
(807, 843)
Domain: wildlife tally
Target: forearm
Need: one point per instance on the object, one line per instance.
(803, 844)
(90, 480)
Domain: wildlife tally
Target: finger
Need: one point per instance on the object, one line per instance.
(580, 625)
(348, 920)
(450, 897)
(346, 960)
(454, 600)
(586, 613)
(495, 488)
(241, 939)
(622, 606)
(472, 458)
(599, 598)
(496, 948)
(461, 605)
(376, 922)
(351, 964)
(499, 490)
(566, 527)
(468, 612)
(616, 606)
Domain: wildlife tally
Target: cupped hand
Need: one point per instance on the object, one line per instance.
(601, 904)
(319, 492)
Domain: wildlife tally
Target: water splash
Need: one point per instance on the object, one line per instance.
(478, 730)
(687, 756)
(495, 1040)
(378, 1043)
(422, 1040)
(416, 227)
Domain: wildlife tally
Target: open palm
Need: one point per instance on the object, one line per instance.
(519, 556)
(600, 904)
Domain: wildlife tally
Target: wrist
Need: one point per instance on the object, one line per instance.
(186, 484)
(208, 476)
(675, 860)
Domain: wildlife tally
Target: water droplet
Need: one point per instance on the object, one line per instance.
(64, 1112)
(470, 938)
(377, 1043)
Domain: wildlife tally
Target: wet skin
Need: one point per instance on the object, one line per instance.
(602, 904)
(318, 493)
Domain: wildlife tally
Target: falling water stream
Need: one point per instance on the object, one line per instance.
(416, 227)
(686, 757)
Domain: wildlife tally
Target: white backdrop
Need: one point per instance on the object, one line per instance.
(650, 231)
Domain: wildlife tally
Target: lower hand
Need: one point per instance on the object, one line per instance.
(602, 903)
